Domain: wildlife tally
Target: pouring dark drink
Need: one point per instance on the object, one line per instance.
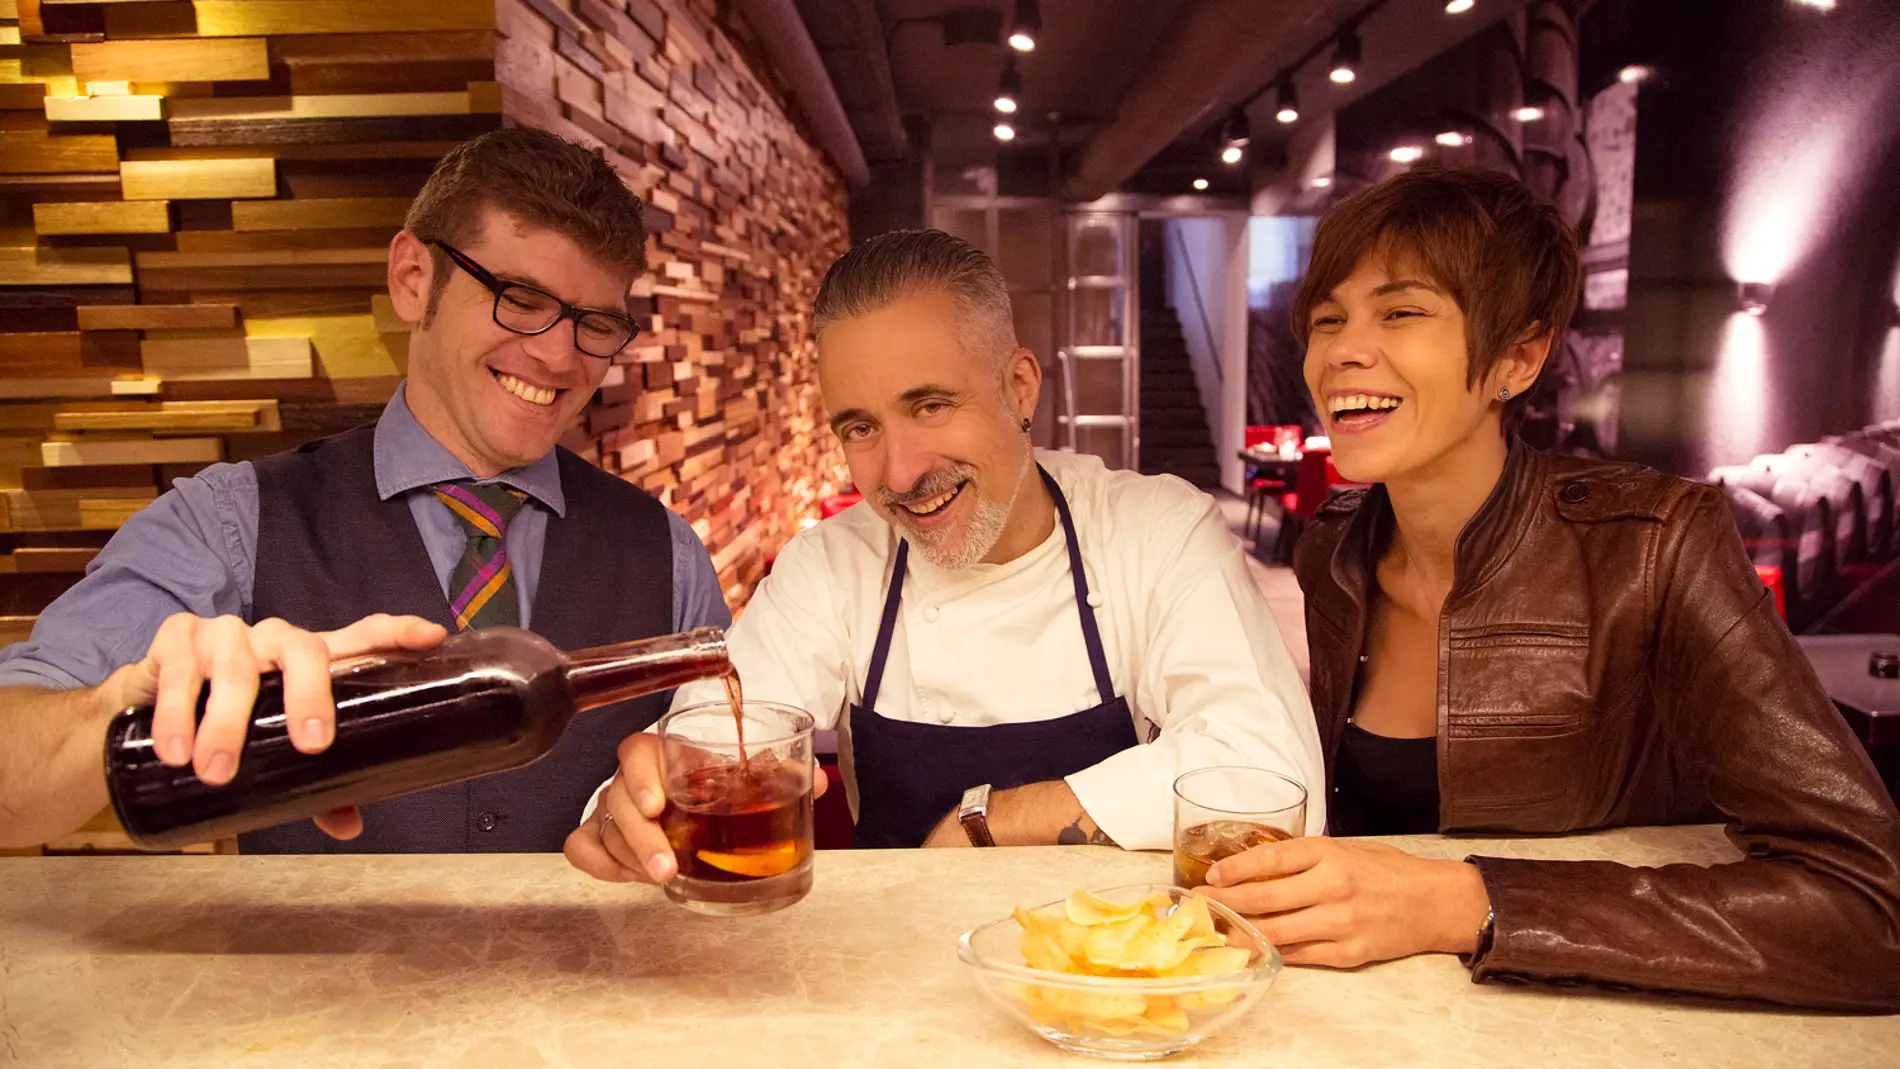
(483, 701)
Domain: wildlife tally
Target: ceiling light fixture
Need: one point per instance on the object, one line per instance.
(1345, 58)
(1022, 36)
(1407, 154)
(1459, 7)
(1200, 183)
(1818, 5)
(1004, 131)
(1321, 182)
(1527, 113)
(1635, 72)
(1289, 110)
(1009, 91)
(1754, 297)
(1234, 138)
(1453, 139)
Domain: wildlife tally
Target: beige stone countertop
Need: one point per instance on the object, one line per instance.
(516, 961)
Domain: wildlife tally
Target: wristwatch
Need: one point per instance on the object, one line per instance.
(974, 815)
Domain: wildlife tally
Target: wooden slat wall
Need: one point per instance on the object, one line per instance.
(194, 199)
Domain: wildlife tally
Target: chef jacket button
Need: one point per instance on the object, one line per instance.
(1095, 600)
(1574, 493)
(931, 614)
(947, 715)
(487, 822)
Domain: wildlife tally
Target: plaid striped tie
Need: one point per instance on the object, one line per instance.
(482, 587)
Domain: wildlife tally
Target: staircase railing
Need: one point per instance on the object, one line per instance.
(1213, 349)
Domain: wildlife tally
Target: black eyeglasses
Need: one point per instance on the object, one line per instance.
(526, 310)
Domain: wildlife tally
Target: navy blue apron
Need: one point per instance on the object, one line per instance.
(911, 775)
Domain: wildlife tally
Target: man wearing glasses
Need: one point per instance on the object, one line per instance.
(454, 510)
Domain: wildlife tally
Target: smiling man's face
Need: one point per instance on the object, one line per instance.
(932, 431)
(494, 398)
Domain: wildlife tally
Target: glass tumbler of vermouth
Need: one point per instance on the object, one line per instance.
(738, 815)
(1221, 811)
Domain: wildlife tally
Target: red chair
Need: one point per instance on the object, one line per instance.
(1771, 577)
(1258, 487)
(1310, 489)
(831, 814)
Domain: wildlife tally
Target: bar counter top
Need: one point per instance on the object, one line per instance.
(517, 961)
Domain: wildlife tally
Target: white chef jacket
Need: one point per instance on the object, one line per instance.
(1189, 639)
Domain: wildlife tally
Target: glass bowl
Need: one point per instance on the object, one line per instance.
(1177, 1013)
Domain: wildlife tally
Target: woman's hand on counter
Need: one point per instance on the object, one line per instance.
(1342, 903)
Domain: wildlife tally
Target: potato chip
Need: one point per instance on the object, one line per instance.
(1093, 936)
(1088, 908)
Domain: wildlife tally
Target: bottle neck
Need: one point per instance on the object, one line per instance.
(604, 675)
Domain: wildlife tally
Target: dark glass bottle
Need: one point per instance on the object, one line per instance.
(483, 701)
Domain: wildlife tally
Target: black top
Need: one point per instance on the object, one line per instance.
(1384, 785)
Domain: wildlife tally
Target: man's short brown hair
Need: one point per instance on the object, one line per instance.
(1507, 258)
(541, 179)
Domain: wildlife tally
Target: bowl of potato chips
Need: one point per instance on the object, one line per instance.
(1134, 973)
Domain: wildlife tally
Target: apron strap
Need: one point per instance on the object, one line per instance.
(874, 677)
(1091, 631)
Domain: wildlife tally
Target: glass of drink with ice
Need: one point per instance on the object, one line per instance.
(1221, 811)
(738, 806)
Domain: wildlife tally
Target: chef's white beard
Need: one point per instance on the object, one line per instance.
(986, 528)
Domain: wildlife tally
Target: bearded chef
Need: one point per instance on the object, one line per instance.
(1015, 646)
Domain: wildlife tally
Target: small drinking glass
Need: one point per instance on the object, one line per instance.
(739, 819)
(1224, 810)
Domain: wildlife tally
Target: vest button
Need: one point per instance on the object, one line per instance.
(1574, 494)
(487, 822)
(946, 716)
(931, 614)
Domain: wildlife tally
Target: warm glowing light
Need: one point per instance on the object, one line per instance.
(1288, 115)
(1738, 391)
(1022, 42)
(1200, 183)
(1453, 139)
(1004, 132)
(1232, 154)
(1459, 7)
(1407, 154)
(1006, 105)
(1818, 5)
(1635, 72)
(1754, 297)
(1321, 182)
(1342, 75)
(1528, 113)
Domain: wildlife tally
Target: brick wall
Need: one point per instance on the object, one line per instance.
(717, 412)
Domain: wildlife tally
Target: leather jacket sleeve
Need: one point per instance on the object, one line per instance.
(1811, 915)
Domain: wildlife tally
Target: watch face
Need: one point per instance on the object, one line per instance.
(972, 798)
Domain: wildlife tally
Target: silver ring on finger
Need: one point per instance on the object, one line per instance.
(606, 818)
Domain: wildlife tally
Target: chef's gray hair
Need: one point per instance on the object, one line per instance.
(904, 263)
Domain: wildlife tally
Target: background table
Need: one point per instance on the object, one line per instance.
(515, 961)
(1870, 704)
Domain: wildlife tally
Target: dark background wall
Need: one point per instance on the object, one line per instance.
(1767, 150)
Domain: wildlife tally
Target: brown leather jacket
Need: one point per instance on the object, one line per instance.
(1607, 656)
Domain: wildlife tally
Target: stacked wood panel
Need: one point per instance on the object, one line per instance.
(195, 200)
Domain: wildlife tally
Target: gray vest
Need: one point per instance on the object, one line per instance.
(330, 552)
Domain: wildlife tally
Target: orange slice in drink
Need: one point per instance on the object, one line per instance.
(755, 861)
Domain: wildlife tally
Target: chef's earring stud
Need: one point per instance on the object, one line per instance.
(1025, 424)
(1504, 393)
